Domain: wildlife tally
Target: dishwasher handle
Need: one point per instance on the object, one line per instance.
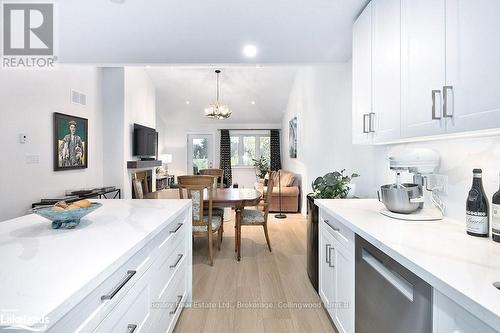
(401, 284)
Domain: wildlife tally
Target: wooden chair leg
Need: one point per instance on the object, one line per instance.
(236, 233)
(210, 249)
(267, 237)
(220, 237)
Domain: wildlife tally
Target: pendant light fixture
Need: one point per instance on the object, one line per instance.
(217, 110)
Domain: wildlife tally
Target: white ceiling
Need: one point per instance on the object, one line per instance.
(268, 86)
(205, 31)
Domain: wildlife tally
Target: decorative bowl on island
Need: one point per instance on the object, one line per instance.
(67, 218)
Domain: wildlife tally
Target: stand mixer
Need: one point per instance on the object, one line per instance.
(417, 201)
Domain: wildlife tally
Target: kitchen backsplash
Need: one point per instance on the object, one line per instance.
(458, 158)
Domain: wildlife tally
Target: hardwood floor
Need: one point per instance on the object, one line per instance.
(261, 293)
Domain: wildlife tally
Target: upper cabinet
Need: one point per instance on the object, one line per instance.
(386, 69)
(362, 116)
(434, 68)
(472, 65)
(422, 67)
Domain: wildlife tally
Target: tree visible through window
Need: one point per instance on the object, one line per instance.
(246, 147)
(200, 153)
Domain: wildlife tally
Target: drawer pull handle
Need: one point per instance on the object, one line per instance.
(328, 246)
(179, 225)
(179, 299)
(330, 264)
(179, 257)
(131, 328)
(115, 291)
(331, 226)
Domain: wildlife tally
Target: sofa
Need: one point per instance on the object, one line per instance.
(290, 191)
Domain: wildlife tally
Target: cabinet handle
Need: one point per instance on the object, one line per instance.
(330, 257)
(371, 122)
(434, 107)
(179, 299)
(365, 131)
(331, 226)
(446, 105)
(179, 257)
(115, 291)
(131, 328)
(327, 254)
(179, 225)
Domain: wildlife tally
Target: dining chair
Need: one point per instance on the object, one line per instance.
(140, 185)
(257, 216)
(204, 225)
(218, 174)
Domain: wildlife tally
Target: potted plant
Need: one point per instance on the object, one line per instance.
(333, 185)
(261, 167)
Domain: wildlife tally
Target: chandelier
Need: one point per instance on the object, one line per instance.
(217, 110)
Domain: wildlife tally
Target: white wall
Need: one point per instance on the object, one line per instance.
(129, 97)
(114, 136)
(28, 100)
(321, 99)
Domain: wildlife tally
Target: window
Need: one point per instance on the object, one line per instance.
(246, 147)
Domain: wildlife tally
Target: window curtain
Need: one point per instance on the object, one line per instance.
(275, 150)
(225, 156)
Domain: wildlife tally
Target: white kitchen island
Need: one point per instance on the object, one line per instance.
(126, 268)
(461, 269)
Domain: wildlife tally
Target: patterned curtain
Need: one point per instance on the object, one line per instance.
(275, 150)
(225, 156)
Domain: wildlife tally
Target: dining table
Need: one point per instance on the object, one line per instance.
(235, 198)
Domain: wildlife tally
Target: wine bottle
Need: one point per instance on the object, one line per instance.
(477, 208)
(495, 217)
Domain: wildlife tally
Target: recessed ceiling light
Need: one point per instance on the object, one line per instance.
(188, 102)
(252, 102)
(250, 51)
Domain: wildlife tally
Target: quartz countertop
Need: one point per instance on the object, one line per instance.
(45, 272)
(460, 266)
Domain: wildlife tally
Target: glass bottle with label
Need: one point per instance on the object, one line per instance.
(477, 208)
(495, 217)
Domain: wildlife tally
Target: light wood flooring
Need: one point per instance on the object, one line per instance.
(262, 282)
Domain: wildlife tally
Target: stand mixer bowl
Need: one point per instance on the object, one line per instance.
(402, 199)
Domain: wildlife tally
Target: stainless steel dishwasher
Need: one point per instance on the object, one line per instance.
(389, 298)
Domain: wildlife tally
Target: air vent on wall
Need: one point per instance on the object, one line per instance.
(78, 97)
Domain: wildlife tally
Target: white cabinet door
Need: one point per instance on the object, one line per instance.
(326, 268)
(422, 66)
(386, 69)
(473, 64)
(344, 286)
(449, 317)
(362, 78)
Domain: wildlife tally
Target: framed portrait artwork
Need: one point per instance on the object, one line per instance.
(292, 137)
(70, 142)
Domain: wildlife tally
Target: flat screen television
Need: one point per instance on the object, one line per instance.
(145, 141)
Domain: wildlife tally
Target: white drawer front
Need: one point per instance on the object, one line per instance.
(132, 314)
(169, 305)
(93, 309)
(343, 234)
(167, 238)
(166, 266)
